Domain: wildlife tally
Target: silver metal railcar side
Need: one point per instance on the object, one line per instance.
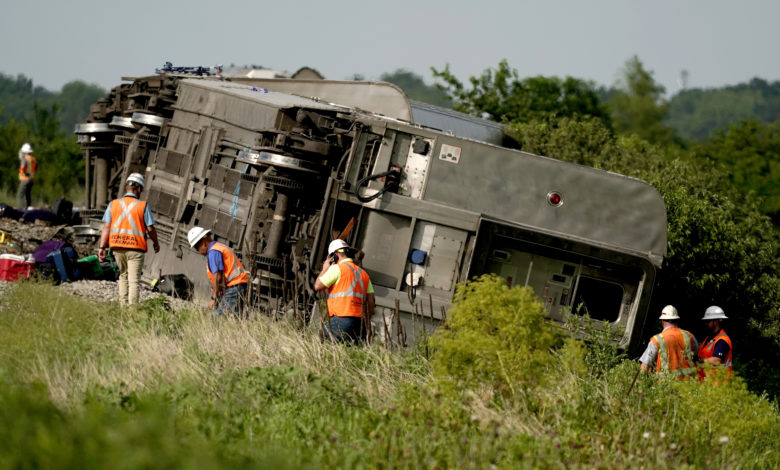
(278, 174)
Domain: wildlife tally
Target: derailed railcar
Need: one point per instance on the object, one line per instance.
(277, 168)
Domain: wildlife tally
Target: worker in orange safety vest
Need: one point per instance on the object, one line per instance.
(128, 222)
(672, 352)
(351, 299)
(227, 276)
(28, 166)
(716, 349)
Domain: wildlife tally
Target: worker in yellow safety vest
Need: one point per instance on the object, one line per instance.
(128, 223)
(672, 352)
(351, 299)
(28, 166)
(226, 274)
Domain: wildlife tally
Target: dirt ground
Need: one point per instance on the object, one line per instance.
(20, 238)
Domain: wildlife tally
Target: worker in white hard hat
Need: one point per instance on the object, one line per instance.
(672, 352)
(128, 223)
(351, 299)
(28, 166)
(227, 275)
(716, 349)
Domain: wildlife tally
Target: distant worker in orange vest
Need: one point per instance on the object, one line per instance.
(27, 169)
(351, 299)
(672, 352)
(716, 349)
(128, 223)
(227, 275)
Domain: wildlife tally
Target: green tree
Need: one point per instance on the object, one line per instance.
(637, 105)
(73, 102)
(60, 164)
(698, 114)
(749, 154)
(502, 96)
(416, 89)
(19, 96)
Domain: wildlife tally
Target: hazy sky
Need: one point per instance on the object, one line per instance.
(719, 42)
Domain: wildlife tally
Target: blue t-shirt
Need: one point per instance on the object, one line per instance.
(721, 350)
(215, 260)
(148, 220)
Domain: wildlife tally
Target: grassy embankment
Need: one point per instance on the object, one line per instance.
(83, 385)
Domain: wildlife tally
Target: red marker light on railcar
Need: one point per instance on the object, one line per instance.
(554, 198)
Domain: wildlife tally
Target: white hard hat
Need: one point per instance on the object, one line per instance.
(137, 178)
(336, 245)
(26, 148)
(714, 313)
(195, 234)
(669, 313)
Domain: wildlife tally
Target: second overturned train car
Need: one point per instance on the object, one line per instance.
(278, 168)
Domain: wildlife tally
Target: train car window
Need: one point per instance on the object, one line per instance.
(600, 299)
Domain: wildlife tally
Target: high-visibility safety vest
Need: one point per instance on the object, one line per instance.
(128, 229)
(346, 296)
(676, 350)
(28, 170)
(707, 348)
(234, 270)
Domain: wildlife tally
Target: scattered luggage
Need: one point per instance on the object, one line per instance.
(63, 209)
(91, 268)
(39, 216)
(45, 248)
(65, 264)
(175, 285)
(14, 267)
(9, 212)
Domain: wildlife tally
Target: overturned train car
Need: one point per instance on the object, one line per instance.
(278, 168)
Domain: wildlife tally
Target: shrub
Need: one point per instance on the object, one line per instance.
(494, 336)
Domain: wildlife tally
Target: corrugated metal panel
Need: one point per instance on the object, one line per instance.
(459, 124)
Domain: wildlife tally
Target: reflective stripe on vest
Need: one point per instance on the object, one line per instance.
(127, 218)
(707, 348)
(234, 270)
(343, 299)
(674, 359)
(30, 167)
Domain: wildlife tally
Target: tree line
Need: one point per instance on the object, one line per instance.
(46, 120)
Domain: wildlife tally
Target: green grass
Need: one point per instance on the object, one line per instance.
(86, 385)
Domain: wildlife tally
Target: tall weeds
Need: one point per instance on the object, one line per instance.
(88, 385)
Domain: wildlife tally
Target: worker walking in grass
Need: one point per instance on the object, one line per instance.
(128, 223)
(28, 166)
(351, 299)
(716, 349)
(672, 352)
(226, 274)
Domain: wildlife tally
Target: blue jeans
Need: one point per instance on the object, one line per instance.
(348, 330)
(231, 301)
